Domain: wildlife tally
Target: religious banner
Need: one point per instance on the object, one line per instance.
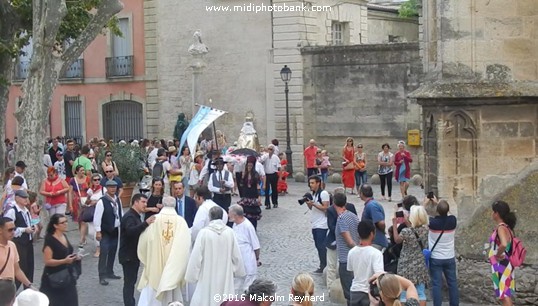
(203, 118)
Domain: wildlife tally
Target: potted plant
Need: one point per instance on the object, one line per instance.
(129, 161)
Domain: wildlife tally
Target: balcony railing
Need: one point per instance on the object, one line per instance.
(120, 66)
(75, 71)
(21, 70)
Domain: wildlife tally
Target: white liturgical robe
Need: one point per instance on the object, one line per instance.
(214, 261)
(248, 242)
(163, 249)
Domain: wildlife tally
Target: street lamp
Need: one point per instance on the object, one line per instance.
(285, 74)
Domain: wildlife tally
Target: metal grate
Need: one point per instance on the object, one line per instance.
(21, 70)
(120, 66)
(73, 120)
(122, 120)
(75, 71)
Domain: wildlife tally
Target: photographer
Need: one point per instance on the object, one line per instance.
(318, 202)
(386, 288)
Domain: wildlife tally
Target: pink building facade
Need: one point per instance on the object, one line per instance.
(103, 94)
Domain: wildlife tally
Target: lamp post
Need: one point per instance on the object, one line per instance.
(285, 74)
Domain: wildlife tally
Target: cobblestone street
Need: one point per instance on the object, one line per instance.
(286, 242)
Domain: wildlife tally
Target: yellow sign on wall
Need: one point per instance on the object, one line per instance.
(413, 137)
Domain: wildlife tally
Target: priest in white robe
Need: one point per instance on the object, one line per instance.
(214, 261)
(249, 246)
(163, 249)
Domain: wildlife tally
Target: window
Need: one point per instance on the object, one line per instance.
(23, 64)
(122, 120)
(121, 62)
(339, 33)
(73, 118)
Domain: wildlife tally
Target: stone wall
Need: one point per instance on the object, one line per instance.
(471, 38)
(361, 91)
(382, 24)
(478, 287)
(239, 71)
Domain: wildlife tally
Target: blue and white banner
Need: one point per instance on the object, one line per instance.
(203, 118)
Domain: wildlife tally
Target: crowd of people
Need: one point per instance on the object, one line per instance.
(194, 243)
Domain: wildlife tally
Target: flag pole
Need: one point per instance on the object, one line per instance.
(214, 129)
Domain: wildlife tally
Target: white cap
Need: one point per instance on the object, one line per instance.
(30, 297)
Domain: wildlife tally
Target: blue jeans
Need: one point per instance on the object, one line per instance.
(438, 267)
(361, 177)
(319, 235)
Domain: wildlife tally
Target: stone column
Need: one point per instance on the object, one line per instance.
(197, 66)
(198, 50)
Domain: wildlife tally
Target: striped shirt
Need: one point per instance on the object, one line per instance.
(347, 222)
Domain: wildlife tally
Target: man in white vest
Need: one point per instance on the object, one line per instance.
(163, 249)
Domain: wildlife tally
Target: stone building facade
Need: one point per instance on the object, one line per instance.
(480, 125)
(247, 50)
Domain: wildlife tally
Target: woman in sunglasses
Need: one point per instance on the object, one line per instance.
(80, 185)
(109, 162)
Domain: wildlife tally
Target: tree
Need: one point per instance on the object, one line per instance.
(409, 9)
(53, 23)
(9, 24)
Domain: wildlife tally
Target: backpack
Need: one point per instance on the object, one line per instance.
(517, 252)
(158, 170)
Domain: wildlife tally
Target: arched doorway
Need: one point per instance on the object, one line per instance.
(123, 120)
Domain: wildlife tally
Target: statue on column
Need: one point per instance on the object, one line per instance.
(248, 137)
(197, 47)
(181, 126)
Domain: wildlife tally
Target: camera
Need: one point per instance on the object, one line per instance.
(399, 214)
(430, 195)
(374, 292)
(306, 197)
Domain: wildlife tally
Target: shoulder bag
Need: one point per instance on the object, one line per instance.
(60, 279)
(428, 252)
(7, 259)
(425, 251)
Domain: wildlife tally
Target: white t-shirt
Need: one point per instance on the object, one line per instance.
(152, 156)
(363, 261)
(167, 167)
(318, 218)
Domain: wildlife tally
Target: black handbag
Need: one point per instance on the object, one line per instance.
(252, 210)
(61, 279)
(87, 214)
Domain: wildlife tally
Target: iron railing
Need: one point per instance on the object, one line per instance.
(75, 71)
(21, 70)
(120, 66)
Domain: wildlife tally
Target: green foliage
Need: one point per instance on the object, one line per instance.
(79, 14)
(409, 9)
(129, 160)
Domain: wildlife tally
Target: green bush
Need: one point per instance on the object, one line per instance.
(129, 161)
(408, 9)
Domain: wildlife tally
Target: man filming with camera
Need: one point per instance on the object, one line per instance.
(318, 202)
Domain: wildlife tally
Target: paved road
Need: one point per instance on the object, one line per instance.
(285, 237)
